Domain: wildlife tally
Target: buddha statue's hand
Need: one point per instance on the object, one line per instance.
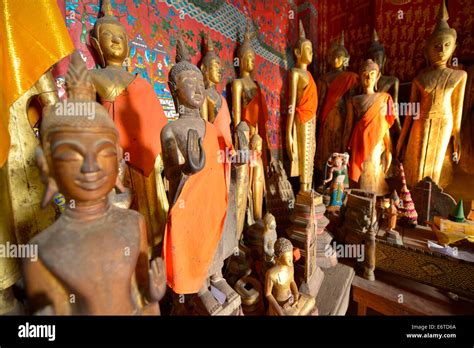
(157, 280)
(196, 155)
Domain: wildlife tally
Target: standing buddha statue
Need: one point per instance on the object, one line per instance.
(303, 102)
(138, 116)
(440, 92)
(335, 88)
(93, 260)
(370, 142)
(197, 186)
(386, 83)
(248, 99)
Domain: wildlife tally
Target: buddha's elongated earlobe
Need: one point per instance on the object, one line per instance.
(51, 186)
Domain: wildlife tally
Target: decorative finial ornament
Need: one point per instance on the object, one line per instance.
(106, 8)
(442, 25)
(375, 36)
(301, 30)
(209, 44)
(182, 52)
(78, 82)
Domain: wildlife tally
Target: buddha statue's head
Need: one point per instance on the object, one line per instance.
(369, 74)
(441, 43)
(338, 56)
(304, 47)
(80, 146)
(376, 51)
(109, 38)
(283, 250)
(269, 221)
(246, 53)
(185, 80)
(211, 65)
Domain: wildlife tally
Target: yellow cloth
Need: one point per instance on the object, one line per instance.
(33, 38)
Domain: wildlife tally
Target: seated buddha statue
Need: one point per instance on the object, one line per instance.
(197, 187)
(281, 290)
(93, 260)
(137, 113)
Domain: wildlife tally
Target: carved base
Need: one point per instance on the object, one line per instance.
(312, 286)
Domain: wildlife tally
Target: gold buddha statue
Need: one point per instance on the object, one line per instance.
(372, 114)
(335, 88)
(248, 99)
(242, 175)
(93, 260)
(386, 83)
(139, 118)
(281, 290)
(197, 189)
(303, 103)
(257, 177)
(440, 90)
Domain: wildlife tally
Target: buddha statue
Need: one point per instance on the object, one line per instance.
(215, 109)
(281, 290)
(257, 177)
(197, 187)
(248, 99)
(335, 88)
(388, 84)
(439, 89)
(303, 102)
(242, 175)
(93, 260)
(370, 144)
(139, 118)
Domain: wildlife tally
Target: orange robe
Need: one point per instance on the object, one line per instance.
(196, 221)
(139, 118)
(256, 113)
(308, 103)
(222, 123)
(369, 131)
(336, 90)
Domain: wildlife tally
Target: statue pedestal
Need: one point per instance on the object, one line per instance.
(334, 295)
(303, 234)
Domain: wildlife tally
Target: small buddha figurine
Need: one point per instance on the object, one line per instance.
(440, 92)
(337, 177)
(391, 210)
(281, 290)
(370, 142)
(303, 102)
(93, 260)
(242, 175)
(197, 185)
(335, 88)
(248, 99)
(386, 83)
(138, 116)
(257, 177)
(215, 109)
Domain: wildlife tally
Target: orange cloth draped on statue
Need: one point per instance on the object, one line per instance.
(336, 89)
(222, 123)
(139, 118)
(308, 102)
(195, 222)
(256, 113)
(369, 131)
